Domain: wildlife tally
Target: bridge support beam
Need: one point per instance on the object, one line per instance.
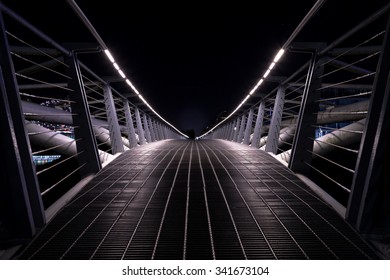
(227, 131)
(130, 125)
(368, 206)
(155, 130)
(248, 128)
(151, 129)
(274, 129)
(147, 130)
(140, 130)
(258, 126)
(166, 132)
(87, 147)
(231, 131)
(21, 208)
(303, 145)
(240, 135)
(160, 130)
(236, 128)
(113, 124)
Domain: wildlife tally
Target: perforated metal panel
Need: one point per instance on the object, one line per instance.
(209, 199)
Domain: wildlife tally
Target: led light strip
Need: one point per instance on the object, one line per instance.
(253, 90)
(129, 83)
(304, 21)
(87, 23)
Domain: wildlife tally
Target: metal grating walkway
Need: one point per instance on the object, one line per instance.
(208, 199)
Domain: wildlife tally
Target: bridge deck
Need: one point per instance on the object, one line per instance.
(197, 200)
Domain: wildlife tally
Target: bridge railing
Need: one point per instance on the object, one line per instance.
(61, 120)
(316, 120)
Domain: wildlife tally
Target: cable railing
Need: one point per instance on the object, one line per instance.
(42, 78)
(75, 120)
(313, 121)
(343, 104)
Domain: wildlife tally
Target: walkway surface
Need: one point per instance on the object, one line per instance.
(209, 199)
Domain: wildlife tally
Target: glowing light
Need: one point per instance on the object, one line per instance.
(259, 82)
(246, 98)
(132, 86)
(111, 58)
(279, 55)
(272, 65)
(129, 83)
(122, 74)
(109, 55)
(143, 99)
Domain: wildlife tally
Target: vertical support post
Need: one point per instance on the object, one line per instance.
(274, 130)
(160, 129)
(130, 125)
(21, 208)
(152, 130)
(231, 131)
(140, 130)
(156, 131)
(240, 135)
(228, 130)
(302, 145)
(164, 130)
(215, 134)
(236, 128)
(248, 129)
(113, 124)
(168, 132)
(224, 131)
(368, 207)
(258, 126)
(87, 147)
(147, 131)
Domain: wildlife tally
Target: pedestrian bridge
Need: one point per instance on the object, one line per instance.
(299, 170)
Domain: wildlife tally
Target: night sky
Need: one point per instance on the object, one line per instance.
(192, 60)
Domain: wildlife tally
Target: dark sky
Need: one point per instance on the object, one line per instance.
(192, 60)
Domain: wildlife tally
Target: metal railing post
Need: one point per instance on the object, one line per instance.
(147, 131)
(130, 125)
(156, 130)
(113, 124)
(151, 129)
(274, 129)
(231, 131)
(248, 128)
(140, 130)
(21, 197)
(86, 147)
(302, 144)
(368, 205)
(240, 135)
(258, 126)
(236, 129)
